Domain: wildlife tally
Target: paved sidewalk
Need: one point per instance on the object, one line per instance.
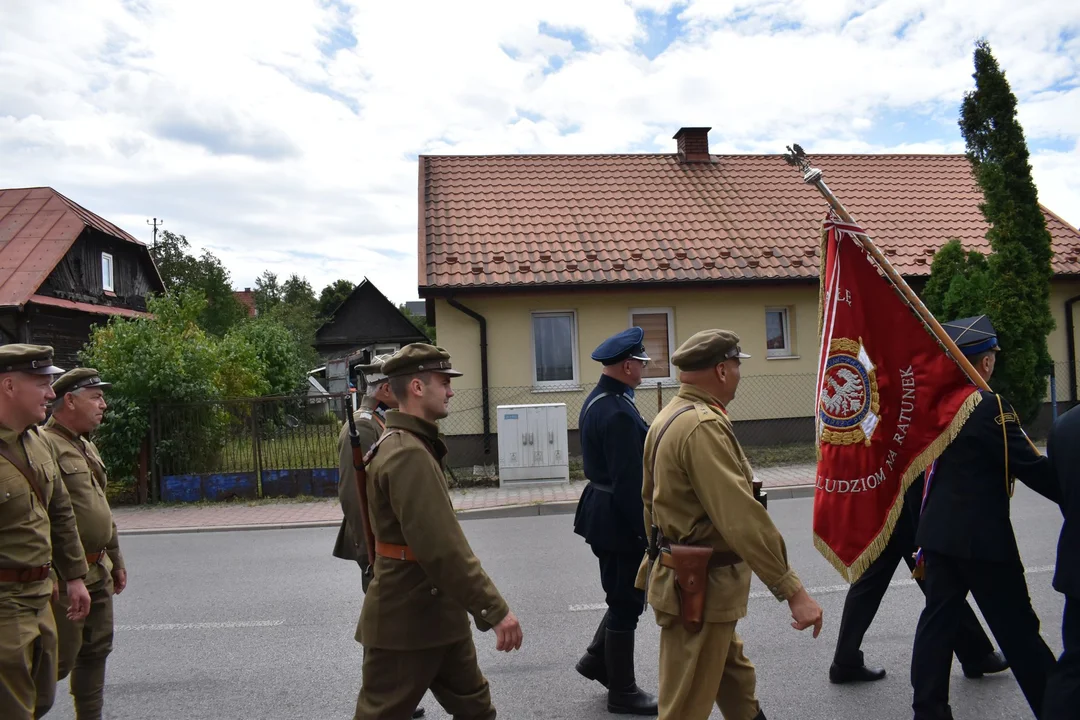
(476, 502)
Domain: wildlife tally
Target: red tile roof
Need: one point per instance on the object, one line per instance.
(37, 228)
(554, 220)
(86, 307)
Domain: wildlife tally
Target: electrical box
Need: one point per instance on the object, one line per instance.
(532, 444)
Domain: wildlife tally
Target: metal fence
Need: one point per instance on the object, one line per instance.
(246, 448)
(287, 446)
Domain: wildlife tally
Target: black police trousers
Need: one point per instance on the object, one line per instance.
(864, 598)
(618, 571)
(1002, 594)
(1062, 699)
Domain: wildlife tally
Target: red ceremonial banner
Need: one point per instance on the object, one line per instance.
(890, 398)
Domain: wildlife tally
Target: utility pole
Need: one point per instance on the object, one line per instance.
(155, 224)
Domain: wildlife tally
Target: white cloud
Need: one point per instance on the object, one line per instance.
(272, 139)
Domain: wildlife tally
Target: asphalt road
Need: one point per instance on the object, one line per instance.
(259, 624)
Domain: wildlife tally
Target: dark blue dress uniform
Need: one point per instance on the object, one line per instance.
(610, 514)
(1063, 448)
(968, 544)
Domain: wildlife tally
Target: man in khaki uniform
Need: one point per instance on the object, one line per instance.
(414, 625)
(370, 421)
(698, 492)
(85, 644)
(37, 531)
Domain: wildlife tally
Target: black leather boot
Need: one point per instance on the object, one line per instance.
(624, 696)
(760, 715)
(592, 664)
(418, 712)
(995, 662)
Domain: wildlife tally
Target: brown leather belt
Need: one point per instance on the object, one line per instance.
(726, 558)
(23, 575)
(95, 558)
(394, 552)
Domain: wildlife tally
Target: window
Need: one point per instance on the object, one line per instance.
(386, 349)
(107, 272)
(778, 333)
(659, 327)
(554, 348)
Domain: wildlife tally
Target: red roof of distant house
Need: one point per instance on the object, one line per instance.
(555, 220)
(246, 297)
(37, 228)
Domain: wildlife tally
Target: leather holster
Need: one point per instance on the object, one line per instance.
(691, 565)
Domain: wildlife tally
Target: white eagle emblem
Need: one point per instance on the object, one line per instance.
(848, 403)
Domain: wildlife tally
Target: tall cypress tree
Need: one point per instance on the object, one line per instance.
(1020, 272)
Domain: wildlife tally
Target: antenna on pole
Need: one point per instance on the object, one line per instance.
(156, 223)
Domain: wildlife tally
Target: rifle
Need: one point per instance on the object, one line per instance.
(361, 487)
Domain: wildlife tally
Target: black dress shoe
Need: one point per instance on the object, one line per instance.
(995, 662)
(418, 712)
(840, 674)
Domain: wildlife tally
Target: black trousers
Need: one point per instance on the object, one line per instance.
(1001, 592)
(1062, 701)
(618, 571)
(864, 598)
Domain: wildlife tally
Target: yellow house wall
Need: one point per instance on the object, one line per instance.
(772, 387)
(1060, 292)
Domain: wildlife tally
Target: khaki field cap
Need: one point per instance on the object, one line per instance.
(706, 349)
(33, 359)
(78, 378)
(418, 358)
(373, 371)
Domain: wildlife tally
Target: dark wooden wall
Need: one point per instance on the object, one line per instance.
(67, 331)
(78, 276)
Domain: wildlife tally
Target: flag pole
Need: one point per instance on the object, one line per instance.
(814, 176)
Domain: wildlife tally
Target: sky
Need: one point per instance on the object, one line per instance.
(287, 139)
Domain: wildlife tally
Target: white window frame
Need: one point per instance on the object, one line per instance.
(109, 286)
(670, 312)
(788, 351)
(554, 385)
(386, 349)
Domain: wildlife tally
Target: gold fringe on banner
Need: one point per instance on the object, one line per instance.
(917, 466)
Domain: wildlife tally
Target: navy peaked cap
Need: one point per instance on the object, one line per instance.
(972, 335)
(621, 346)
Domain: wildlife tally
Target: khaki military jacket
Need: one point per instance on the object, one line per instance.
(424, 604)
(351, 544)
(83, 472)
(32, 535)
(701, 493)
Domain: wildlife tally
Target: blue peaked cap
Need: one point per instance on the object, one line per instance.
(972, 335)
(619, 347)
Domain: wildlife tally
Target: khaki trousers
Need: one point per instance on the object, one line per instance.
(395, 681)
(27, 657)
(83, 647)
(700, 669)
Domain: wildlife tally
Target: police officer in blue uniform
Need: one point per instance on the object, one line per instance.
(968, 544)
(610, 516)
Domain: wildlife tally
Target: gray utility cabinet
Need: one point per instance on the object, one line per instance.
(532, 444)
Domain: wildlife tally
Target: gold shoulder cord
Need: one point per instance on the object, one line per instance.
(1009, 486)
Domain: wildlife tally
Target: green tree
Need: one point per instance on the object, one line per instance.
(180, 270)
(333, 295)
(167, 358)
(959, 284)
(267, 293)
(1019, 299)
(282, 361)
(293, 305)
(419, 321)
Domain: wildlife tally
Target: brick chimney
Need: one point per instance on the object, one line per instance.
(693, 144)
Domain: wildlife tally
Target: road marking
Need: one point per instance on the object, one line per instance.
(823, 590)
(205, 626)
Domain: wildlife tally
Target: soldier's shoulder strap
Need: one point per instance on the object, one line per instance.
(375, 446)
(595, 400)
(12, 457)
(660, 436)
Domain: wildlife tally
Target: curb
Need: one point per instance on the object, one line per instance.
(563, 507)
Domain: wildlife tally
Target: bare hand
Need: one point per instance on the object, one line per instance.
(508, 634)
(78, 600)
(56, 590)
(805, 611)
(119, 578)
